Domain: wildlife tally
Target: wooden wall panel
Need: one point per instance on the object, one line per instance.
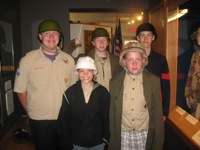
(157, 18)
(167, 43)
(172, 55)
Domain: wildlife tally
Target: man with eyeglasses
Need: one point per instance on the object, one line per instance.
(157, 64)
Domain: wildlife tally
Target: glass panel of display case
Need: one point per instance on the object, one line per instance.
(6, 48)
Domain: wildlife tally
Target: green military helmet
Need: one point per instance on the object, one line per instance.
(49, 25)
(100, 32)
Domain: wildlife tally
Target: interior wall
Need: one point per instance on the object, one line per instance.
(10, 13)
(157, 18)
(152, 3)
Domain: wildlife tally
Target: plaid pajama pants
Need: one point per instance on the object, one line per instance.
(133, 140)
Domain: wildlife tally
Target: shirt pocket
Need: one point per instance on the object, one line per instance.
(125, 105)
(64, 78)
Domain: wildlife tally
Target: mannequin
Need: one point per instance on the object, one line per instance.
(192, 88)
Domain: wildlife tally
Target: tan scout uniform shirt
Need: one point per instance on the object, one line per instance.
(135, 114)
(45, 82)
(104, 71)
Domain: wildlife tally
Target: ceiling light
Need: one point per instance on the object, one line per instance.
(178, 15)
(131, 21)
(139, 18)
(136, 17)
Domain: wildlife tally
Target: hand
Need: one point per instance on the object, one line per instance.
(77, 42)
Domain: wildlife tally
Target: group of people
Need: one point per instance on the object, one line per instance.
(98, 102)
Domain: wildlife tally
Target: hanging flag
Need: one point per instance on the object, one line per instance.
(117, 39)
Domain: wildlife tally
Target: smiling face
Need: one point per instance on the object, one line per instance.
(146, 38)
(50, 40)
(85, 75)
(133, 61)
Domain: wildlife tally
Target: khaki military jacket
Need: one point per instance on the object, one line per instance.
(151, 83)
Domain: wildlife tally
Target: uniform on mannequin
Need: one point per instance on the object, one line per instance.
(192, 88)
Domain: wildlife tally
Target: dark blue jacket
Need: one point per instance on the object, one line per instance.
(84, 124)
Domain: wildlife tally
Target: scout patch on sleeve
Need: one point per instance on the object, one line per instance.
(17, 73)
(18, 70)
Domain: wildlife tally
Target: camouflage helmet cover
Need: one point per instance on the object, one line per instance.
(133, 47)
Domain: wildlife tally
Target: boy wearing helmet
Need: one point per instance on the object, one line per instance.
(158, 65)
(135, 109)
(107, 64)
(41, 79)
(83, 121)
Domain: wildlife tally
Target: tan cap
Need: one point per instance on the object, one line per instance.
(87, 63)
